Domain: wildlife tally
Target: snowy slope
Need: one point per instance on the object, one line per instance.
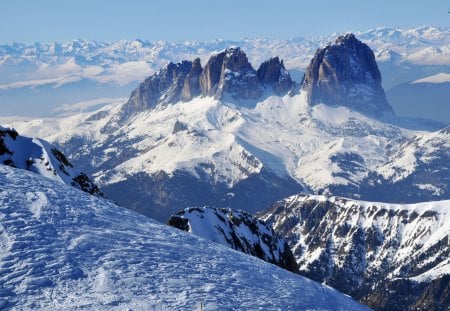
(63, 249)
(38, 156)
(280, 147)
(427, 96)
(437, 78)
(367, 249)
(238, 230)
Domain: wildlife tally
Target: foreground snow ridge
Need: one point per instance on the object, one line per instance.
(64, 249)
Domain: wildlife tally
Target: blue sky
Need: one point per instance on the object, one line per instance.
(58, 20)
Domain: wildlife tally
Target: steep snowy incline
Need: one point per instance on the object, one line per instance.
(64, 249)
(38, 156)
(386, 255)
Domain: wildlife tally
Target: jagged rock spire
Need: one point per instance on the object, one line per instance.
(345, 73)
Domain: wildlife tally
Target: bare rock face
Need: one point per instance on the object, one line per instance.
(238, 78)
(226, 75)
(273, 74)
(229, 73)
(238, 230)
(210, 77)
(345, 73)
(163, 88)
(191, 87)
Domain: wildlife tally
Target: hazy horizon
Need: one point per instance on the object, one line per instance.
(175, 20)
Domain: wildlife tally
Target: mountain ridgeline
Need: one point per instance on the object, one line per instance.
(227, 75)
(388, 256)
(238, 230)
(38, 156)
(343, 73)
(221, 133)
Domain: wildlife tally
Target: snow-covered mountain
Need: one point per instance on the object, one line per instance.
(76, 71)
(229, 146)
(37, 156)
(390, 256)
(238, 230)
(63, 249)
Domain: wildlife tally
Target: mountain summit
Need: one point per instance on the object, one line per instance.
(345, 73)
(227, 75)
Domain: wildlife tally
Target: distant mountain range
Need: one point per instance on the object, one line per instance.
(50, 75)
(224, 133)
(220, 132)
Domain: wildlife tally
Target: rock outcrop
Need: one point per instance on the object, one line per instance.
(273, 74)
(227, 75)
(238, 230)
(345, 73)
(238, 78)
(164, 87)
(191, 87)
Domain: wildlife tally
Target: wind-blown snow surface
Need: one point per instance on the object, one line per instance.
(63, 249)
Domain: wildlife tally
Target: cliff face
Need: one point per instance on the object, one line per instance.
(238, 78)
(345, 73)
(227, 75)
(164, 87)
(191, 86)
(273, 74)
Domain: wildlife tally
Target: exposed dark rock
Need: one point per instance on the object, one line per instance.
(162, 88)
(226, 75)
(345, 73)
(238, 78)
(272, 73)
(238, 230)
(86, 184)
(179, 127)
(191, 87)
(210, 77)
(229, 73)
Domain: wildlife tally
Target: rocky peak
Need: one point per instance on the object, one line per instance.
(210, 77)
(191, 86)
(238, 230)
(236, 60)
(226, 75)
(229, 73)
(345, 73)
(272, 73)
(238, 78)
(164, 87)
